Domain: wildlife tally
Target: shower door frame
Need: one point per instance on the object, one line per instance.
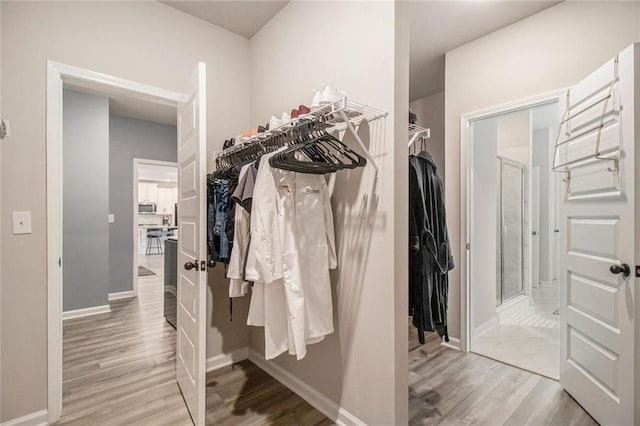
(522, 167)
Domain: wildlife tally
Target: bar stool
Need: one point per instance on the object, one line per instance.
(154, 234)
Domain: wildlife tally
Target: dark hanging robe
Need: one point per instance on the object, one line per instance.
(430, 257)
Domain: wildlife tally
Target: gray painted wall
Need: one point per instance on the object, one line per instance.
(85, 206)
(129, 139)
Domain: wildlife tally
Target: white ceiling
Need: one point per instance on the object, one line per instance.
(128, 106)
(154, 173)
(142, 110)
(245, 18)
(440, 26)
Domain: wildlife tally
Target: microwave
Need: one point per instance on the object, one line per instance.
(147, 208)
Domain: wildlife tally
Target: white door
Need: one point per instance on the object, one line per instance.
(191, 337)
(598, 360)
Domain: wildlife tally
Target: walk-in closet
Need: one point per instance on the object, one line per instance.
(370, 212)
(527, 246)
(300, 221)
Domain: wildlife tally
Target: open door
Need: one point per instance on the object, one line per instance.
(192, 250)
(597, 158)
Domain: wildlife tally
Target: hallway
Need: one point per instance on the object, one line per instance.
(119, 369)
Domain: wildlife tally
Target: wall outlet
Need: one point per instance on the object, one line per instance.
(21, 223)
(112, 218)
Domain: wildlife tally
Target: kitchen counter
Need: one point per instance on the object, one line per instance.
(163, 227)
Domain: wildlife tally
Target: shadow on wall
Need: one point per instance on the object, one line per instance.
(355, 205)
(355, 202)
(227, 319)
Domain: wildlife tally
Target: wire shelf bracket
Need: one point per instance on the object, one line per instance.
(416, 132)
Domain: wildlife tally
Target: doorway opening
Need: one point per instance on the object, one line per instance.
(81, 221)
(513, 310)
(155, 231)
(104, 307)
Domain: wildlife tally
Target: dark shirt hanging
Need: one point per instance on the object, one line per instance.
(430, 257)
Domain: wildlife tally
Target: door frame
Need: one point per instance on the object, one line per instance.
(466, 194)
(137, 162)
(59, 74)
(521, 166)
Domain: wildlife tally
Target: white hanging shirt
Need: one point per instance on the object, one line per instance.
(292, 250)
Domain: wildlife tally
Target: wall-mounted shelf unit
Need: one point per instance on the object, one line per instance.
(416, 132)
(341, 115)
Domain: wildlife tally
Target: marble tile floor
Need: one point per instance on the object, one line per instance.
(527, 333)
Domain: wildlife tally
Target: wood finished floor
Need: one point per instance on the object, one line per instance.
(119, 369)
(450, 387)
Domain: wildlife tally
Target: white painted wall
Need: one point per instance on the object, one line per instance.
(359, 366)
(430, 111)
(483, 242)
(545, 52)
(142, 41)
(540, 158)
(514, 136)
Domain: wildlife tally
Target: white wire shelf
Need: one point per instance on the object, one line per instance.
(416, 132)
(343, 114)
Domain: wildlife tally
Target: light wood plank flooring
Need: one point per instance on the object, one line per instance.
(119, 369)
(454, 388)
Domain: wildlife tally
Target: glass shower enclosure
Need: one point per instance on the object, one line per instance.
(510, 230)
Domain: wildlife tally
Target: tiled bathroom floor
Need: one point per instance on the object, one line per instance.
(527, 334)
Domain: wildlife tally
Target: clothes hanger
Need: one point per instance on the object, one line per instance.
(301, 146)
(320, 161)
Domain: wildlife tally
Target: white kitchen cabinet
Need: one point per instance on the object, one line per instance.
(152, 192)
(147, 192)
(165, 200)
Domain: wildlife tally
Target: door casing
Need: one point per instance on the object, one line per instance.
(59, 74)
(466, 192)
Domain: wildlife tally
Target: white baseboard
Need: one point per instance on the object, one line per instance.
(453, 343)
(85, 312)
(223, 360)
(38, 418)
(121, 295)
(316, 399)
(485, 326)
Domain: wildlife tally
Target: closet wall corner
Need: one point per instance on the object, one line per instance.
(350, 367)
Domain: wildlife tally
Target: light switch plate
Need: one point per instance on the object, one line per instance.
(112, 218)
(21, 223)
